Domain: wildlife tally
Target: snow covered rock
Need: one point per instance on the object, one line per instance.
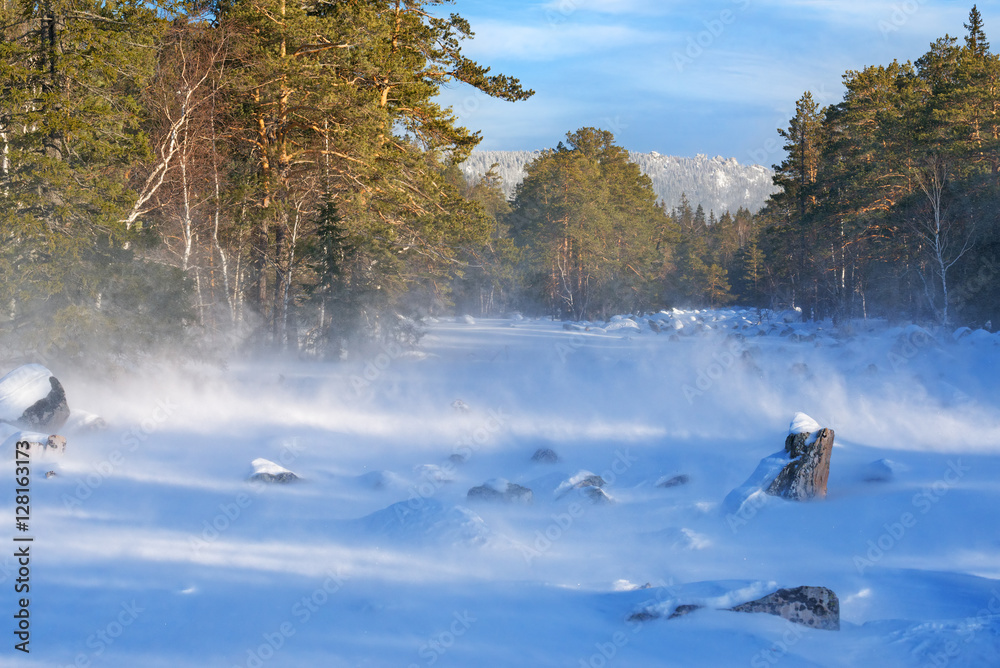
(264, 470)
(815, 607)
(808, 447)
(499, 489)
(673, 481)
(579, 481)
(798, 472)
(32, 398)
(678, 600)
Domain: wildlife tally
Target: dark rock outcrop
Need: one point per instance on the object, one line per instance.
(545, 456)
(675, 481)
(48, 413)
(32, 398)
(501, 490)
(815, 607)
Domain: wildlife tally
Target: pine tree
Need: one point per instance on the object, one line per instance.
(70, 128)
(975, 41)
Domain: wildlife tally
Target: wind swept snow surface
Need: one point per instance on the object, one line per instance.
(152, 548)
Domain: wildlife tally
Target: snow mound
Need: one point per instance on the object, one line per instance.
(625, 323)
(425, 520)
(745, 499)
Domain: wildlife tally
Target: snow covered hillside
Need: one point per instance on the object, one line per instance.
(152, 547)
(718, 184)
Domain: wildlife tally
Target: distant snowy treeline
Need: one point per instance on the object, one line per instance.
(718, 184)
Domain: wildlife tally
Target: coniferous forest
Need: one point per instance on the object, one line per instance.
(278, 176)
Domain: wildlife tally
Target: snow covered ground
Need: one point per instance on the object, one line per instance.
(152, 549)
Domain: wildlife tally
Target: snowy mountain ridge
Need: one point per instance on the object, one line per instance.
(718, 184)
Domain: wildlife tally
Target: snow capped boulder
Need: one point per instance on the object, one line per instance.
(32, 398)
(586, 485)
(808, 447)
(815, 607)
(499, 489)
(798, 472)
(678, 600)
(264, 470)
(579, 481)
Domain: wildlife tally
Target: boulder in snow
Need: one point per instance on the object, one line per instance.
(545, 456)
(502, 490)
(32, 398)
(798, 472)
(673, 481)
(579, 481)
(815, 607)
(264, 470)
(808, 447)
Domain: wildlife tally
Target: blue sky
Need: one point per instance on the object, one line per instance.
(716, 77)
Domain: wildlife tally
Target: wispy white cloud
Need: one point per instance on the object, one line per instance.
(502, 40)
